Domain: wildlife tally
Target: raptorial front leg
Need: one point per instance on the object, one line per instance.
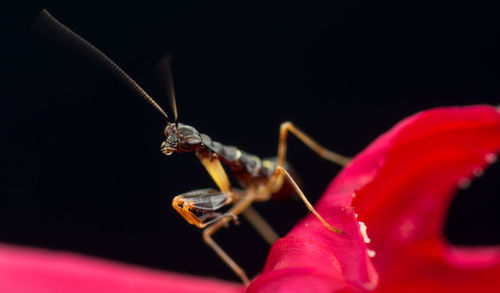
(199, 207)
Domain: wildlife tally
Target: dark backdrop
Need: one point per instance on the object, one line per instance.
(81, 165)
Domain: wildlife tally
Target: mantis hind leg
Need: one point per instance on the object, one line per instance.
(312, 144)
(281, 173)
(260, 224)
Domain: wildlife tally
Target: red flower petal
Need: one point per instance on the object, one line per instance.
(30, 270)
(403, 184)
(421, 163)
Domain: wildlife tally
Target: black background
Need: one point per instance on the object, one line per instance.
(80, 151)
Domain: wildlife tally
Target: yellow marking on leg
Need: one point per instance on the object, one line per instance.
(216, 171)
(176, 205)
(185, 211)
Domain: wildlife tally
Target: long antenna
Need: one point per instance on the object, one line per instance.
(49, 27)
(165, 68)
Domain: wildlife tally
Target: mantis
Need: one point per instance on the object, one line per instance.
(258, 178)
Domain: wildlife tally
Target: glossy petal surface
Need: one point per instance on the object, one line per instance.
(24, 270)
(425, 159)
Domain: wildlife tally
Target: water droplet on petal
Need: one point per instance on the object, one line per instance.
(362, 229)
(491, 158)
(371, 253)
(478, 172)
(464, 183)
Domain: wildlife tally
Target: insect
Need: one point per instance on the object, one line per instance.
(259, 178)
